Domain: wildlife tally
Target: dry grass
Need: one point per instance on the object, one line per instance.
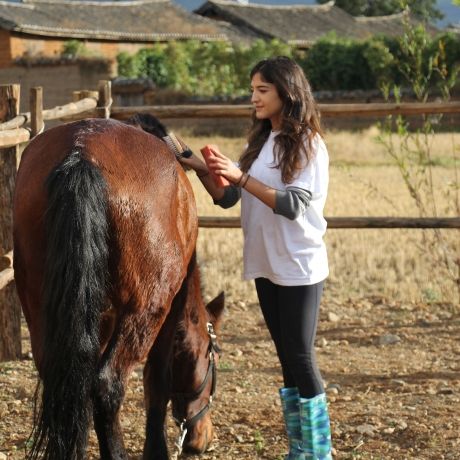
(363, 182)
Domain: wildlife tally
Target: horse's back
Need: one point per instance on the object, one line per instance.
(145, 182)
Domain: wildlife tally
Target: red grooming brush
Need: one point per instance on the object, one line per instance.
(207, 152)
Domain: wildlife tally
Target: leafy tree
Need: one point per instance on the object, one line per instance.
(423, 9)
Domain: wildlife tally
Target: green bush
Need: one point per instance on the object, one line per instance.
(201, 69)
(73, 48)
(332, 63)
(127, 65)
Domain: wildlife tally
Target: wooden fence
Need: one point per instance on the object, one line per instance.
(13, 132)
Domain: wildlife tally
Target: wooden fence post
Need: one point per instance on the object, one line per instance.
(36, 111)
(105, 98)
(10, 308)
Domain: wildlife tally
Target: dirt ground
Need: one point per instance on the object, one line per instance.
(391, 369)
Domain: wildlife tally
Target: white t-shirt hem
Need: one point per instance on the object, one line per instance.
(287, 282)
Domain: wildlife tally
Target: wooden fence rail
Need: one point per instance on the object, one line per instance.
(244, 111)
(352, 222)
(98, 104)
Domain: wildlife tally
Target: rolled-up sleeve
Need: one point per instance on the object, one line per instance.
(232, 194)
(292, 202)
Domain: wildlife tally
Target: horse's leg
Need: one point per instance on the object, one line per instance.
(157, 382)
(132, 339)
(156, 394)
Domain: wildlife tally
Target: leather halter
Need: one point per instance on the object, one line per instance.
(186, 423)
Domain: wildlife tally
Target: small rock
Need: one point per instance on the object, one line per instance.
(333, 388)
(3, 409)
(239, 438)
(322, 342)
(137, 375)
(21, 393)
(401, 424)
(366, 429)
(2, 456)
(398, 382)
(333, 318)
(445, 391)
(389, 430)
(242, 304)
(389, 339)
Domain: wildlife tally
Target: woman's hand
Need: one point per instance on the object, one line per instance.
(223, 166)
(194, 162)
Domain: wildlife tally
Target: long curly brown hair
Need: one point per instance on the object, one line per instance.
(300, 118)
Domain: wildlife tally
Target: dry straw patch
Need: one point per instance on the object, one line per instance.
(363, 182)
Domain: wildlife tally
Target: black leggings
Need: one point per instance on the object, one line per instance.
(291, 314)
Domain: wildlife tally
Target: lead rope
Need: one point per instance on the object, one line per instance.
(180, 441)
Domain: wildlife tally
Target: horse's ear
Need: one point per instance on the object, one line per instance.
(215, 309)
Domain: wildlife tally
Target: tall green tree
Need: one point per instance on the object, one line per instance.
(423, 9)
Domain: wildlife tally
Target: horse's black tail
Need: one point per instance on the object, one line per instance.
(74, 294)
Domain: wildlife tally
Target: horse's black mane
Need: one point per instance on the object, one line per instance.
(148, 123)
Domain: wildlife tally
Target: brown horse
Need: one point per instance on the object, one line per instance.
(105, 229)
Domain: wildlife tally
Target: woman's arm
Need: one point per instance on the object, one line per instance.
(289, 203)
(201, 170)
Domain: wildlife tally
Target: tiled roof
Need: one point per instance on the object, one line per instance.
(294, 24)
(300, 24)
(392, 25)
(134, 20)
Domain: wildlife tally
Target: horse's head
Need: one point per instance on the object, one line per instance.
(194, 375)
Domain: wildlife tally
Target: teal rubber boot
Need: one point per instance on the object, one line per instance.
(315, 428)
(290, 404)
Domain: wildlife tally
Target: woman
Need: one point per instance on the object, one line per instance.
(282, 179)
